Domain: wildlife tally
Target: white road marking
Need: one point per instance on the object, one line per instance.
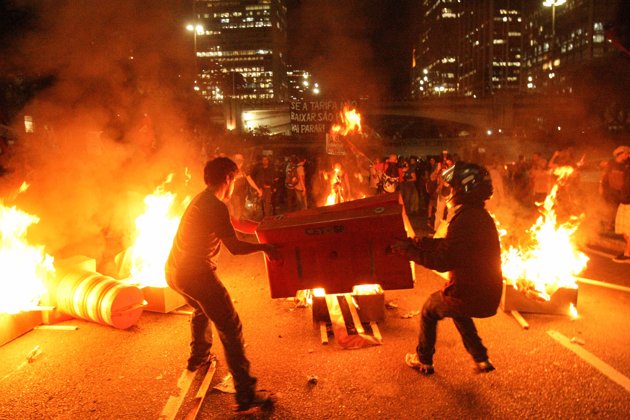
(592, 360)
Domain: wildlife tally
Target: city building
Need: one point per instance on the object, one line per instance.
(241, 49)
(301, 85)
(490, 47)
(436, 56)
(560, 37)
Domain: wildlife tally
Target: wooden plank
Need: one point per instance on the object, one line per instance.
(323, 331)
(375, 331)
(174, 402)
(602, 284)
(519, 318)
(201, 393)
(592, 360)
(355, 314)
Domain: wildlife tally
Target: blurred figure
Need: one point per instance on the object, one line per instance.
(611, 184)
(264, 179)
(408, 189)
(391, 175)
(377, 169)
(471, 253)
(540, 179)
(443, 191)
(622, 218)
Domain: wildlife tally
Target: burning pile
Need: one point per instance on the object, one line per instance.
(155, 229)
(24, 268)
(548, 260)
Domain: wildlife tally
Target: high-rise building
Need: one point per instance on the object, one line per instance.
(241, 48)
(436, 56)
(561, 37)
(490, 47)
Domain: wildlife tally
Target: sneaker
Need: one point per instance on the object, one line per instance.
(622, 258)
(196, 362)
(412, 360)
(484, 367)
(262, 399)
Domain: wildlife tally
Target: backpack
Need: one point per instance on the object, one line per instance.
(291, 177)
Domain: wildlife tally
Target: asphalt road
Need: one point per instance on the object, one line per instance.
(98, 372)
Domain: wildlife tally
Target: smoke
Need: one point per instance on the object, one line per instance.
(352, 47)
(111, 125)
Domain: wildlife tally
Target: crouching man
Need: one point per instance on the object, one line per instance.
(471, 253)
(191, 271)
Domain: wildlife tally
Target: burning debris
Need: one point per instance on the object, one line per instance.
(539, 273)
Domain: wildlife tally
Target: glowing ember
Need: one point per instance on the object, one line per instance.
(367, 289)
(549, 260)
(155, 230)
(24, 268)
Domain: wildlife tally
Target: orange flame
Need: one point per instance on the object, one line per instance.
(550, 260)
(155, 230)
(350, 122)
(24, 268)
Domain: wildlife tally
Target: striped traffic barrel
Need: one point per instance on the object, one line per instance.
(95, 297)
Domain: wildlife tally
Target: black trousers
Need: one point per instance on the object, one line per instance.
(436, 309)
(211, 301)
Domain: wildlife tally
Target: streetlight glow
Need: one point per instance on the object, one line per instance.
(550, 3)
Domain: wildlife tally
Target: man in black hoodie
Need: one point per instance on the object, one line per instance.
(471, 253)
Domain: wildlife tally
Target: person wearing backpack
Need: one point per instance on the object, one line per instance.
(622, 218)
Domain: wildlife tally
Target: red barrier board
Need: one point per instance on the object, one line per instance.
(337, 247)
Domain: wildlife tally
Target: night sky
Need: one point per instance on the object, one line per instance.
(354, 47)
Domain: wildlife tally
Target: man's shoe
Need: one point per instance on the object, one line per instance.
(195, 363)
(262, 399)
(484, 367)
(622, 258)
(412, 360)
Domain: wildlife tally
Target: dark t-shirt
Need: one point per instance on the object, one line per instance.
(198, 240)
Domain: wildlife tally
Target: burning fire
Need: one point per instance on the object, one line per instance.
(155, 230)
(350, 123)
(24, 268)
(549, 260)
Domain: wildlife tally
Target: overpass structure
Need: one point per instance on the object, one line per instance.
(507, 112)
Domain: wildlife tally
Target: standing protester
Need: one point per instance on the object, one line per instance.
(471, 254)
(622, 218)
(191, 271)
(264, 177)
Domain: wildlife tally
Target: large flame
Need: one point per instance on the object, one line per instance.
(155, 230)
(549, 260)
(24, 268)
(350, 123)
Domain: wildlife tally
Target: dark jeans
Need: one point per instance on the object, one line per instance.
(211, 302)
(267, 201)
(435, 309)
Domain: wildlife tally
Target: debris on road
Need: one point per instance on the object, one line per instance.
(226, 385)
(410, 314)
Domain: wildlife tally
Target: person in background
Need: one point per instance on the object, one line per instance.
(611, 183)
(471, 253)
(191, 271)
(540, 179)
(622, 218)
(443, 191)
(264, 177)
(408, 188)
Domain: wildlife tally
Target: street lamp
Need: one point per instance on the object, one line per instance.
(553, 4)
(196, 30)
